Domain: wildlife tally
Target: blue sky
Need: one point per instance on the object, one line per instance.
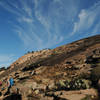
(27, 25)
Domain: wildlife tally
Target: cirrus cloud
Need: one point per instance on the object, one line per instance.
(89, 21)
(6, 59)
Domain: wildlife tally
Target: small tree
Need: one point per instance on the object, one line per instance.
(28, 52)
(32, 51)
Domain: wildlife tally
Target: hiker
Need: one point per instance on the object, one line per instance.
(10, 83)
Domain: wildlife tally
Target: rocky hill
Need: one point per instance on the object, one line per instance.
(68, 72)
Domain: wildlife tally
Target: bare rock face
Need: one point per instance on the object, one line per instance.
(69, 72)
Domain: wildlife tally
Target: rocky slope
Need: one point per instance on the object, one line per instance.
(69, 72)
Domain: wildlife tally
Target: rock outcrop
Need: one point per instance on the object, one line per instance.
(69, 72)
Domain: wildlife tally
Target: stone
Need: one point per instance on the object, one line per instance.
(41, 87)
(36, 91)
(32, 85)
(52, 86)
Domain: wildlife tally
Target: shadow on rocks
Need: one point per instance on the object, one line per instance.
(13, 97)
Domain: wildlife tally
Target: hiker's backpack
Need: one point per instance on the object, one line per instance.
(11, 81)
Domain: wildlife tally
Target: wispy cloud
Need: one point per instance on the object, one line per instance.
(25, 19)
(45, 23)
(89, 21)
(55, 18)
(96, 29)
(40, 22)
(6, 60)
